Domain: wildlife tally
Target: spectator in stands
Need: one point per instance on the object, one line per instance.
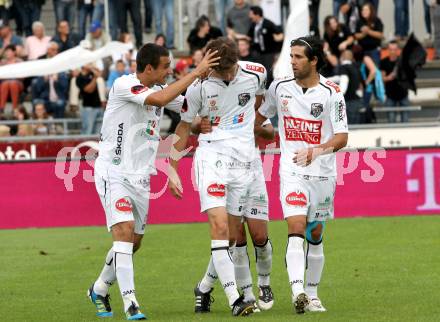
(36, 45)
(435, 11)
(167, 6)
(148, 16)
(181, 69)
(134, 7)
(64, 37)
(64, 10)
(40, 114)
(117, 72)
(10, 87)
(350, 83)
(20, 114)
(221, 7)
(29, 11)
(5, 6)
(132, 67)
(369, 32)
(53, 89)
(93, 106)
(337, 36)
(161, 40)
(196, 58)
(314, 16)
(266, 39)
(96, 36)
(401, 19)
(238, 21)
(8, 38)
(202, 33)
(367, 68)
(396, 94)
(130, 54)
(427, 12)
(244, 50)
(196, 9)
(85, 12)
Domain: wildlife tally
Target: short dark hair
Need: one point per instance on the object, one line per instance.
(202, 21)
(11, 47)
(150, 54)
(312, 48)
(227, 50)
(257, 10)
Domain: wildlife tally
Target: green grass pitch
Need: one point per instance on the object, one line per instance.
(377, 269)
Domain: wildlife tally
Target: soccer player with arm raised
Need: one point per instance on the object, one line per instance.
(312, 126)
(127, 150)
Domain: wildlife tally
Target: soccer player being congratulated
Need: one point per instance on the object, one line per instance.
(223, 161)
(127, 151)
(312, 126)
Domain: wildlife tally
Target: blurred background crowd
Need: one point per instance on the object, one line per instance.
(360, 57)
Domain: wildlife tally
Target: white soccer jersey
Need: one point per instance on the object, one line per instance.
(306, 120)
(130, 133)
(230, 108)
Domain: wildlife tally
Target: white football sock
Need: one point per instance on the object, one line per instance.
(225, 268)
(243, 272)
(263, 254)
(315, 264)
(123, 261)
(107, 276)
(295, 263)
(209, 279)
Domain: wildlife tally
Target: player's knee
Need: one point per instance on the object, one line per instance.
(123, 231)
(220, 230)
(259, 238)
(297, 228)
(314, 232)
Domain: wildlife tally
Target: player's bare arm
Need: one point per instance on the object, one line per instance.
(266, 132)
(169, 93)
(182, 135)
(304, 157)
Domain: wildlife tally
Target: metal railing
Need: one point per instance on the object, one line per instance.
(64, 122)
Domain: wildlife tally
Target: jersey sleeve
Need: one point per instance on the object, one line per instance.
(269, 108)
(262, 86)
(192, 103)
(176, 104)
(132, 92)
(338, 115)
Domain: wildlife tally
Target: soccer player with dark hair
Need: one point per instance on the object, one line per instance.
(312, 125)
(222, 161)
(127, 150)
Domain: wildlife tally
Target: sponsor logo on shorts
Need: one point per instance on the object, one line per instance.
(124, 205)
(216, 190)
(116, 160)
(297, 129)
(297, 199)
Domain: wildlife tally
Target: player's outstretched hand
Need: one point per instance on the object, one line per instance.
(210, 60)
(174, 184)
(205, 125)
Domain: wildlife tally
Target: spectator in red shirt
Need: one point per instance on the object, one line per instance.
(10, 87)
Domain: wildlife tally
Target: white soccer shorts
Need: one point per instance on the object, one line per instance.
(222, 181)
(256, 202)
(124, 198)
(308, 195)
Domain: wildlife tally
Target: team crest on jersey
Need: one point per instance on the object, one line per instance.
(137, 89)
(213, 105)
(243, 98)
(316, 109)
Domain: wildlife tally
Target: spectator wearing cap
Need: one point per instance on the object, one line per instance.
(202, 33)
(8, 38)
(10, 87)
(96, 36)
(36, 45)
(181, 69)
(64, 37)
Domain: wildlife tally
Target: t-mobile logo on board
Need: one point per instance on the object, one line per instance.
(429, 179)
